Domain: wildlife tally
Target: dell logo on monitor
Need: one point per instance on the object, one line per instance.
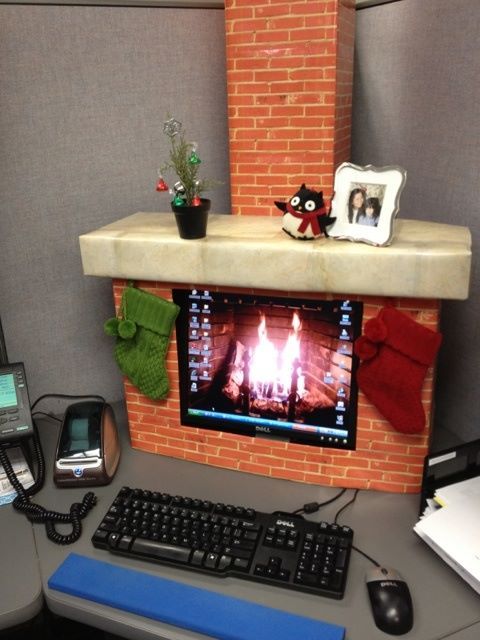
(262, 429)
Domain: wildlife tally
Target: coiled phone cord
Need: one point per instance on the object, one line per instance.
(36, 513)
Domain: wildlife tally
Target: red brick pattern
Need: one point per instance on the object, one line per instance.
(289, 85)
(384, 459)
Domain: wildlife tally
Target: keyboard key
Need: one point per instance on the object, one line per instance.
(238, 553)
(341, 558)
(113, 539)
(250, 535)
(211, 560)
(161, 550)
(100, 537)
(197, 557)
(124, 543)
(241, 564)
(336, 579)
(306, 578)
(224, 562)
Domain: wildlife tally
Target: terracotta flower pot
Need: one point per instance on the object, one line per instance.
(192, 220)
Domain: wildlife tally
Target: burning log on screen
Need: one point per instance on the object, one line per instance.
(236, 373)
(267, 380)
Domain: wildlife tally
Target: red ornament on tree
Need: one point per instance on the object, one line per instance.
(196, 202)
(161, 185)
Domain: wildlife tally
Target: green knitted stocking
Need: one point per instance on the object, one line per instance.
(143, 337)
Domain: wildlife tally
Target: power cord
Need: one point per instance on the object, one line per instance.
(64, 396)
(347, 504)
(46, 415)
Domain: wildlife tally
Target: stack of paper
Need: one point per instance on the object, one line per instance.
(453, 530)
(452, 493)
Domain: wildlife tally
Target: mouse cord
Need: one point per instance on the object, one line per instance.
(365, 555)
(347, 504)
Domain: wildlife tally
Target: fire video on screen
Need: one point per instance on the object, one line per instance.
(275, 367)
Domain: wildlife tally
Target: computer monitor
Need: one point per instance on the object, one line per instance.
(271, 366)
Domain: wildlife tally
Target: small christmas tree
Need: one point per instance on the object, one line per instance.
(184, 161)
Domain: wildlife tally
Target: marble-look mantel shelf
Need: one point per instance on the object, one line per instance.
(425, 259)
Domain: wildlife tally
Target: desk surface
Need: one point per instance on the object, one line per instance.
(21, 596)
(444, 605)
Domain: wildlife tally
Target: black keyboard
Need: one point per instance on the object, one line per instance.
(278, 548)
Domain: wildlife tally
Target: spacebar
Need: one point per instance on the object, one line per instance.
(161, 550)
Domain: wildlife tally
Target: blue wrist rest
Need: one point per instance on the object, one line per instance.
(200, 610)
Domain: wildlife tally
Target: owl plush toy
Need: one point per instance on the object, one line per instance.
(305, 216)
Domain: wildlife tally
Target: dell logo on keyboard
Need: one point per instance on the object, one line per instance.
(285, 523)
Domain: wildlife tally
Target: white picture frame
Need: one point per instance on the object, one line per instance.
(365, 203)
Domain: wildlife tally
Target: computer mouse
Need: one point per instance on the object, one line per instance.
(390, 600)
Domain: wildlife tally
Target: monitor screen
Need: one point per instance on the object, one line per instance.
(277, 367)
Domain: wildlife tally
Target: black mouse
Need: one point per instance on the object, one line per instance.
(390, 600)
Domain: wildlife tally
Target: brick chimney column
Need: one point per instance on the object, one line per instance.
(289, 83)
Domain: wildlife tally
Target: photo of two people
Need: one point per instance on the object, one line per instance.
(365, 203)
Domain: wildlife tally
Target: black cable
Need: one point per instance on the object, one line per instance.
(46, 415)
(347, 504)
(312, 507)
(65, 396)
(37, 514)
(377, 564)
(369, 4)
(34, 512)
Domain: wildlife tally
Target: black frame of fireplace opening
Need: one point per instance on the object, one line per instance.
(342, 313)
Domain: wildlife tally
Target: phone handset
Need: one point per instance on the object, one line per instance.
(16, 426)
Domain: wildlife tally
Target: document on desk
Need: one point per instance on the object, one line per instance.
(22, 471)
(453, 532)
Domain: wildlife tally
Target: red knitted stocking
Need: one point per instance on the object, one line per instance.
(396, 353)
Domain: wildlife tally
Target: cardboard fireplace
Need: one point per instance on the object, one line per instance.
(271, 388)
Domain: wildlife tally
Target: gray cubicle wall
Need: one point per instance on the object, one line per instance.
(417, 104)
(83, 94)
